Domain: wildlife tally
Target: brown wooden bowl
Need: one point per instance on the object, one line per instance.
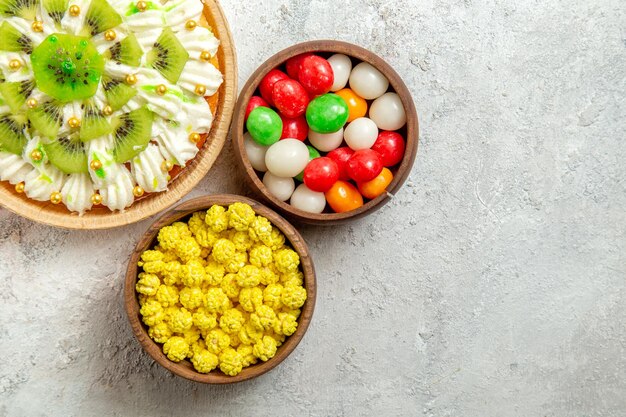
(184, 368)
(326, 48)
(222, 104)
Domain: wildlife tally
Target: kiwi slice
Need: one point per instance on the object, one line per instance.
(132, 133)
(26, 9)
(46, 118)
(169, 56)
(127, 51)
(100, 16)
(13, 40)
(117, 93)
(16, 93)
(67, 67)
(56, 9)
(12, 137)
(94, 123)
(68, 154)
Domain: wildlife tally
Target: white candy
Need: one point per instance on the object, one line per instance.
(368, 82)
(287, 158)
(342, 66)
(326, 142)
(307, 200)
(279, 187)
(255, 152)
(388, 112)
(361, 134)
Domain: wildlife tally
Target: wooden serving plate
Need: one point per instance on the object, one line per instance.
(184, 368)
(222, 104)
(327, 48)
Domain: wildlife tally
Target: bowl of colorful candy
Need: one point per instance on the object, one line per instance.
(220, 289)
(326, 132)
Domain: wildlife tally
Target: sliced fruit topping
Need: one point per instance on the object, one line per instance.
(12, 137)
(94, 124)
(169, 56)
(68, 154)
(26, 9)
(67, 67)
(47, 118)
(56, 9)
(128, 51)
(132, 133)
(15, 94)
(13, 40)
(100, 17)
(117, 93)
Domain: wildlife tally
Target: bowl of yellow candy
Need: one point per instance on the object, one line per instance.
(220, 289)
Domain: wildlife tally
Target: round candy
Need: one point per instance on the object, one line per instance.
(290, 98)
(363, 165)
(326, 142)
(343, 197)
(255, 102)
(313, 153)
(327, 113)
(357, 106)
(368, 82)
(255, 153)
(316, 75)
(320, 174)
(295, 128)
(294, 64)
(279, 187)
(388, 112)
(390, 146)
(266, 87)
(265, 126)
(287, 158)
(307, 200)
(361, 134)
(377, 186)
(341, 156)
(342, 65)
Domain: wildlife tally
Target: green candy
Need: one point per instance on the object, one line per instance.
(265, 126)
(313, 153)
(327, 113)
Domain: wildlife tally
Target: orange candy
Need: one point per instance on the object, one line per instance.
(377, 186)
(357, 106)
(343, 197)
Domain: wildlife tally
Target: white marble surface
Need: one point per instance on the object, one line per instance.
(492, 285)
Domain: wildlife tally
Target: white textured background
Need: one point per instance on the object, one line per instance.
(493, 285)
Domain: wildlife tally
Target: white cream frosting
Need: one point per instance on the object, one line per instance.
(74, 24)
(200, 73)
(197, 41)
(77, 193)
(45, 178)
(180, 11)
(145, 20)
(198, 116)
(174, 143)
(119, 194)
(13, 168)
(146, 168)
(24, 73)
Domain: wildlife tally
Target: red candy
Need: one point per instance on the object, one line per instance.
(390, 146)
(295, 128)
(290, 98)
(364, 165)
(316, 75)
(267, 84)
(294, 64)
(321, 174)
(255, 102)
(341, 156)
